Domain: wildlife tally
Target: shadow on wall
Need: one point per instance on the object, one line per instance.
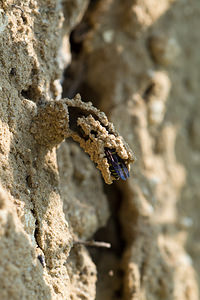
(21, 273)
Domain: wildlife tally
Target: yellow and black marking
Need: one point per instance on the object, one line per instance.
(113, 172)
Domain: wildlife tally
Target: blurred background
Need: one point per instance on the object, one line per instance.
(138, 61)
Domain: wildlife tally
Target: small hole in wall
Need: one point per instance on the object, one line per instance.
(78, 35)
(94, 133)
(30, 93)
(29, 181)
(24, 18)
(149, 90)
(13, 72)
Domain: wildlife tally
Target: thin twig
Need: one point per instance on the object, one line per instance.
(93, 244)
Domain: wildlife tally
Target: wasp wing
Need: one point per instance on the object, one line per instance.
(117, 166)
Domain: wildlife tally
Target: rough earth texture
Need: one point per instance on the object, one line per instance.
(138, 61)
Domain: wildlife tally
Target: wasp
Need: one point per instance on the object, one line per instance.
(117, 166)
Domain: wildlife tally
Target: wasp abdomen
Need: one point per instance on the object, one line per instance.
(117, 166)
